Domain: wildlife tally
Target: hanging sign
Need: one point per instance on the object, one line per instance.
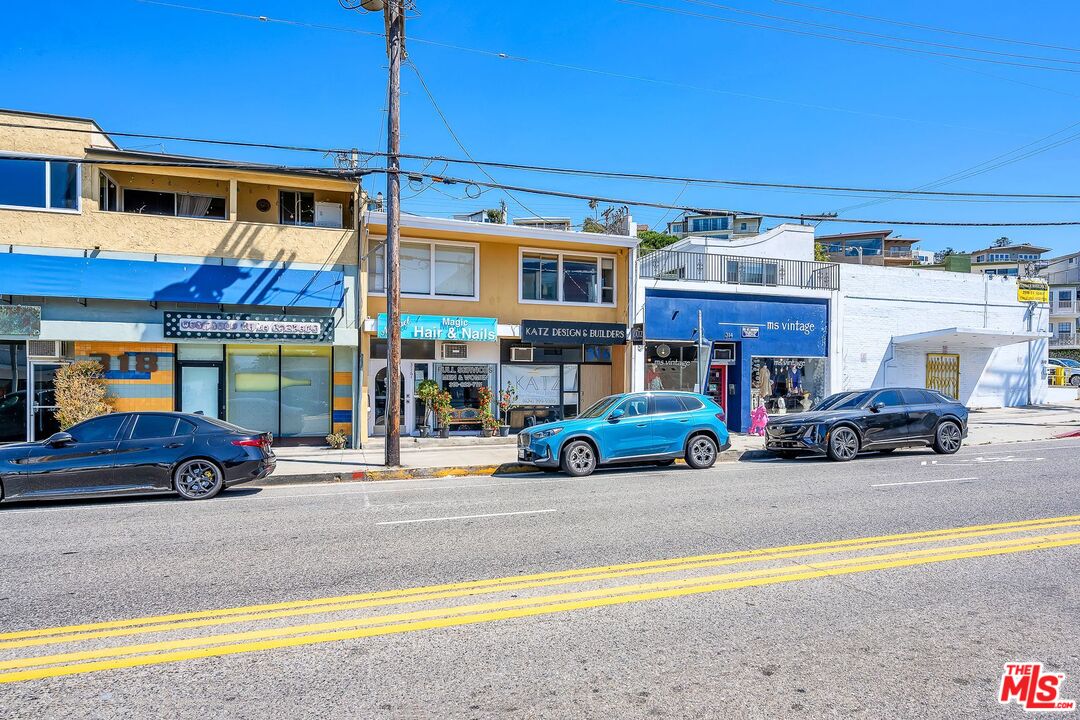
(245, 326)
(443, 327)
(557, 332)
(1036, 291)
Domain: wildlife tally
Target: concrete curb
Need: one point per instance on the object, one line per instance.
(376, 474)
(431, 473)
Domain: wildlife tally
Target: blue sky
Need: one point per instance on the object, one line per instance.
(735, 102)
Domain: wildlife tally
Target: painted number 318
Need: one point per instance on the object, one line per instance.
(143, 362)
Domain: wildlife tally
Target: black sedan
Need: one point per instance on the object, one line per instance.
(843, 425)
(140, 453)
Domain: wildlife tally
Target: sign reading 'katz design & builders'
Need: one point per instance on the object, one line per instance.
(557, 332)
(244, 326)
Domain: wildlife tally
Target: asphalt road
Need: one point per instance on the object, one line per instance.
(891, 587)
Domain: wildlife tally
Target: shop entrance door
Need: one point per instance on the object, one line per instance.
(716, 385)
(943, 374)
(199, 388)
(41, 410)
(378, 397)
(418, 373)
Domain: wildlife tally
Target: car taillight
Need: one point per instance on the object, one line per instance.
(249, 442)
(720, 416)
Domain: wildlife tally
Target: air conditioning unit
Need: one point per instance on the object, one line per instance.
(521, 353)
(45, 349)
(455, 351)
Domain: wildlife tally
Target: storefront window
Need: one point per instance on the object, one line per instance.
(671, 366)
(306, 387)
(253, 382)
(787, 385)
(463, 382)
(12, 391)
(538, 394)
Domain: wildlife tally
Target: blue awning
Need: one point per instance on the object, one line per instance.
(108, 279)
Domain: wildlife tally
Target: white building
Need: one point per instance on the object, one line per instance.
(966, 335)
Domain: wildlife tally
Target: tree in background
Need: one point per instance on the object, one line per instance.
(820, 253)
(940, 255)
(81, 393)
(652, 240)
(1002, 242)
(496, 216)
(593, 226)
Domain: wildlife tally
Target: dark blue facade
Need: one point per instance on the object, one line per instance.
(757, 325)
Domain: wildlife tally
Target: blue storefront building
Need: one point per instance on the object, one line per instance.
(744, 350)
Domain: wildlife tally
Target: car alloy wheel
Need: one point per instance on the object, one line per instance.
(948, 438)
(843, 444)
(702, 452)
(1075, 381)
(198, 480)
(579, 459)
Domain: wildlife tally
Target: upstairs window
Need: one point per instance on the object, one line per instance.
(297, 208)
(708, 224)
(429, 269)
(547, 276)
(43, 184)
(154, 202)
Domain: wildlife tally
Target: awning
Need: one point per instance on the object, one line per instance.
(966, 338)
(275, 285)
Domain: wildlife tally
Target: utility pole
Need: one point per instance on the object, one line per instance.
(395, 31)
(394, 16)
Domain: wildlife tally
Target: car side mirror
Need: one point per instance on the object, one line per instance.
(615, 415)
(60, 439)
(878, 406)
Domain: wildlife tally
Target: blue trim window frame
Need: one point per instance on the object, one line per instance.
(40, 184)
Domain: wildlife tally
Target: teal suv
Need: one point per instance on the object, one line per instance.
(657, 427)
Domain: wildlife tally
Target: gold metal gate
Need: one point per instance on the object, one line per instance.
(943, 373)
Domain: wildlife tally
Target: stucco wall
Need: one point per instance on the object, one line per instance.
(878, 304)
(499, 278)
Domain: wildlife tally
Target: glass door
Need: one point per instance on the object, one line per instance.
(42, 407)
(421, 371)
(200, 389)
(378, 398)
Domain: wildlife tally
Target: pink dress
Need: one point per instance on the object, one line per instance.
(759, 418)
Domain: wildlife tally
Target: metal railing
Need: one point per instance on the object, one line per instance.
(1063, 306)
(736, 270)
(1065, 340)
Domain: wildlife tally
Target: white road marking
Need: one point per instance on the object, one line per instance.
(466, 517)
(924, 482)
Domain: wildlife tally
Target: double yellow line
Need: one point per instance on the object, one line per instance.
(97, 659)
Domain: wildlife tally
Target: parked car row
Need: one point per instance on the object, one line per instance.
(196, 457)
(1069, 369)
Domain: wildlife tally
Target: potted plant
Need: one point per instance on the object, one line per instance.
(507, 398)
(444, 411)
(488, 422)
(426, 392)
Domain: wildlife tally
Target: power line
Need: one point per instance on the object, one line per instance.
(807, 33)
(566, 66)
(865, 33)
(983, 167)
(454, 135)
(890, 21)
(349, 174)
(608, 174)
(778, 216)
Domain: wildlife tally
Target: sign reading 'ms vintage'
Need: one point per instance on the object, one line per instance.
(244, 326)
(557, 332)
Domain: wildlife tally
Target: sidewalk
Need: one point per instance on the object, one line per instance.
(434, 458)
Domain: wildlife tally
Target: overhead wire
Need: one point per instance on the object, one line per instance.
(569, 66)
(865, 33)
(920, 26)
(607, 174)
(807, 33)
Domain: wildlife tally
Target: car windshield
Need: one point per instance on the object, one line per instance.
(842, 401)
(599, 407)
(1068, 363)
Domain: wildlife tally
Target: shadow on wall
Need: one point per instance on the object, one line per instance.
(208, 284)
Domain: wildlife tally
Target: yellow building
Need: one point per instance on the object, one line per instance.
(199, 285)
(542, 311)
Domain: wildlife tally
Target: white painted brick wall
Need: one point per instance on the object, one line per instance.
(878, 303)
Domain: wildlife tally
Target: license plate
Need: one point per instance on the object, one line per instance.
(521, 454)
